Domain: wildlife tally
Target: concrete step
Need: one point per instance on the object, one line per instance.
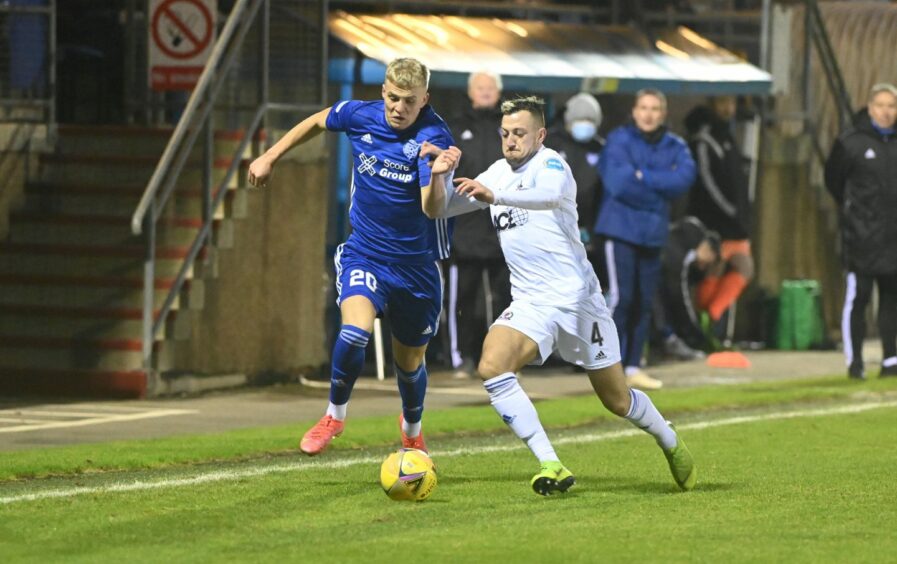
(92, 292)
(53, 353)
(97, 260)
(127, 169)
(85, 229)
(122, 200)
(142, 141)
(24, 380)
(86, 323)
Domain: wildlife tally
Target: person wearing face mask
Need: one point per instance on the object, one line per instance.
(478, 285)
(644, 167)
(578, 143)
(861, 174)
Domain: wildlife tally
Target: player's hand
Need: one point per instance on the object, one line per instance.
(447, 161)
(473, 189)
(260, 172)
(430, 152)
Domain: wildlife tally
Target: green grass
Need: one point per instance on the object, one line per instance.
(799, 490)
(378, 431)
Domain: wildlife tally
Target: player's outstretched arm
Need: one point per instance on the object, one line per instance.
(260, 169)
(433, 196)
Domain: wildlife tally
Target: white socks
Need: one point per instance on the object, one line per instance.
(411, 430)
(645, 416)
(519, 413)
(338, 412)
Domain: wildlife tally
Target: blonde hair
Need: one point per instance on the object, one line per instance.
(408, 73)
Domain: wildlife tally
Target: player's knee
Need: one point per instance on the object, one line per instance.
(489, 368)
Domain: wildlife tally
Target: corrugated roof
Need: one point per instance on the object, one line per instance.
(544, 56)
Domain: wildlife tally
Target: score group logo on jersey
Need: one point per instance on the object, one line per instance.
(390, 169)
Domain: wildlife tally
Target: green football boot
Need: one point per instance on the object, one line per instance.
(552, 477)
(682, 464)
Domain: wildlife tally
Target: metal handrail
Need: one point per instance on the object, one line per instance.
(833, 75)
(197, 118)
(199, 92)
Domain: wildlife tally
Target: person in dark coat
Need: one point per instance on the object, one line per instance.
(644, 167)
(720, 200)
(692, 251)
(861, 174)
(479, 283)
(578, 143)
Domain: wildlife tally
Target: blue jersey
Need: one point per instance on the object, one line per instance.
(387, 176)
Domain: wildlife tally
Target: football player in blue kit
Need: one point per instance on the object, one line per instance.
(390, 262)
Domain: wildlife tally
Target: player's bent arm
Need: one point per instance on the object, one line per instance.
(302, 132)
(260, 169)
(433, 196)
(547, 195)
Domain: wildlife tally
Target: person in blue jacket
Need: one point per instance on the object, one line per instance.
(644, 167)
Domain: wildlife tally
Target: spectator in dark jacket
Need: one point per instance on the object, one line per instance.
(861, 174)
(720, 200)
(479, 283)
(643, 167)
(578, 143)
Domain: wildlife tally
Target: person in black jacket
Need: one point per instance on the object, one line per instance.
(861, 174)
(691, 253)
(479, 283)
(720, 200)
(578, 143)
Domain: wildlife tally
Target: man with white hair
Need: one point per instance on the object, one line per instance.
(861, 175)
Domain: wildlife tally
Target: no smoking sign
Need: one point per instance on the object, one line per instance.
(181, 37)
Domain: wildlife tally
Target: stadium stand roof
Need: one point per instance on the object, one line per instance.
(540, 56)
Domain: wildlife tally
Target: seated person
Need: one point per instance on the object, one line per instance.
(691, 253)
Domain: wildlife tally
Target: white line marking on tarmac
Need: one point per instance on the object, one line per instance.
(105, 418)
(230, 475)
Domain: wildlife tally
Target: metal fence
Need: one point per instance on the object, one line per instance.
(27, 61)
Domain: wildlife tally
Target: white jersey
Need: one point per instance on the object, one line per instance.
(542, 247)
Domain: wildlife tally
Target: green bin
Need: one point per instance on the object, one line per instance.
(800, 325)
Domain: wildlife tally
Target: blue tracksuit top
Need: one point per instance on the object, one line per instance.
(638, 210)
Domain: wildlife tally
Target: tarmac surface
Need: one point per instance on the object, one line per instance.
(28, 425)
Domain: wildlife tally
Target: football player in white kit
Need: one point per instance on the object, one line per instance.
(557, 303)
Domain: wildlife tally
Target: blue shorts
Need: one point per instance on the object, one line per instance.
(411, 294)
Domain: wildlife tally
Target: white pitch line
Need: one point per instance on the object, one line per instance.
(55, 413)
(229, 475)
(97, 420)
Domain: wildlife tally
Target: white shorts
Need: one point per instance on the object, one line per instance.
(583, 334)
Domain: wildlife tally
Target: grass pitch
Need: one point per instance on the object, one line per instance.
(807, 477)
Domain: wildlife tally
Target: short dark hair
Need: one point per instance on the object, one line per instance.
(531, 104)
(651, 92)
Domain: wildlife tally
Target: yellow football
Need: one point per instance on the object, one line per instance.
(408, 475)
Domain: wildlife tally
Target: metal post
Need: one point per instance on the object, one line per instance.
(208, 158)
(130, 62)
(51, 79)
(264, 63)
(808, 30)
(765, 35)
(149, 287)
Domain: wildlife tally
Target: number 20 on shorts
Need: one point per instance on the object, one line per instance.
(360, 277)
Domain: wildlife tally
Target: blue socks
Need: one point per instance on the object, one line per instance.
(413, 388)
(348, 360)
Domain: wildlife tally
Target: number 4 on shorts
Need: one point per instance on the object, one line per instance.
(596, 335)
